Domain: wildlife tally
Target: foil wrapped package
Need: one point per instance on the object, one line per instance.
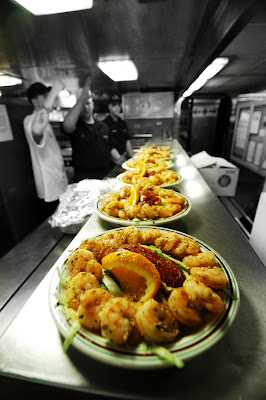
(76, 204)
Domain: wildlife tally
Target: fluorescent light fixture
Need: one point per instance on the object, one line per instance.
(213, 69)
(45, 7)
(7, 80)
(119, 70)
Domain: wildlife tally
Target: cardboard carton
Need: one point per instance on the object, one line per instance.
(220, 174)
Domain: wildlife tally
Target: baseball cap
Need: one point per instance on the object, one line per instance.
(114, 99)
(36, 89)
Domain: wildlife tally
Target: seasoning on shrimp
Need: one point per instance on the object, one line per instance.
(118, 321)
(79, 284)
(156, 322)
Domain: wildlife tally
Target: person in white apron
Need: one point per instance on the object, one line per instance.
(47, 161)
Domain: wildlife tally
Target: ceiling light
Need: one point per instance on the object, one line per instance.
(6, 80)
(45, 7)
(120, 70)
(213, 69)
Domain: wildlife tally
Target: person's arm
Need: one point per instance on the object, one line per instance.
(115, 154)
(41, 118)
(129, 148)
(58, 85)
(70, 121)
(39, 122)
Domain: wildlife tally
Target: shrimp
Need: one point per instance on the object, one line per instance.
(118, 322)
(202, 295)
(205, 259)
(78, 260)
(112, 208)
(167, 240)
(81, 282)
(115, 238)
(183, 309)
(148, 236)
(131, 211)
(150, 212)
(95, 268)
(156, 322)
(91, 304)
(94, 245)
(213, 277)
(186, 246)
(132, 234)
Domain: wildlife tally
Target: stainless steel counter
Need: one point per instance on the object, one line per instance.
(31, 355)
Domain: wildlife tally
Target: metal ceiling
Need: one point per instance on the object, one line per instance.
(171, 42)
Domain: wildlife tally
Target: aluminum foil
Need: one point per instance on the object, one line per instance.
(76, 204)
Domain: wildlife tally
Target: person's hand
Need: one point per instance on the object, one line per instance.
(86, 90)
(121, 160)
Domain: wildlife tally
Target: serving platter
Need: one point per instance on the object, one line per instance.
(172, 156)
(184, 348)
(164, 185)
(138, 222)
(169, 164)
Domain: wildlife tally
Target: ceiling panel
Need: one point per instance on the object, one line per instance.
(171, 42)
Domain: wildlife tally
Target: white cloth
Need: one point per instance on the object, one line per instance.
(47, 162)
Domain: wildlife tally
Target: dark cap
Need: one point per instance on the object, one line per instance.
(37, 89)
(114, 99)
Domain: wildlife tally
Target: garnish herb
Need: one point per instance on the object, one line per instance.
(232, 295)
(163, 255)
(163, 353)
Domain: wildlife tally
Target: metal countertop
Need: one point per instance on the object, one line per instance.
(233, 369)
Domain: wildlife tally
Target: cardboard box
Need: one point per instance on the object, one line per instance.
(220, 174)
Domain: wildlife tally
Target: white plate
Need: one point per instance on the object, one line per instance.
(160, 221)
(169, 164)
(185, 348)
(164, 185)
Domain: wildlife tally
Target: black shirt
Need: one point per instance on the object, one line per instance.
(90, 152)
(118, 133)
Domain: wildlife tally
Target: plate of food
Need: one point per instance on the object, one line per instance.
(142, 204)
(153, 151)
(161, 177)
(150, 163)
(143, 298)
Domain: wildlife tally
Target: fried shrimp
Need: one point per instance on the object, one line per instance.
(183, 309)
(205, 259)
(202, 295)
(213, 277)
(91, 304)
(81, 282)
(118, 322)
(156, 322)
